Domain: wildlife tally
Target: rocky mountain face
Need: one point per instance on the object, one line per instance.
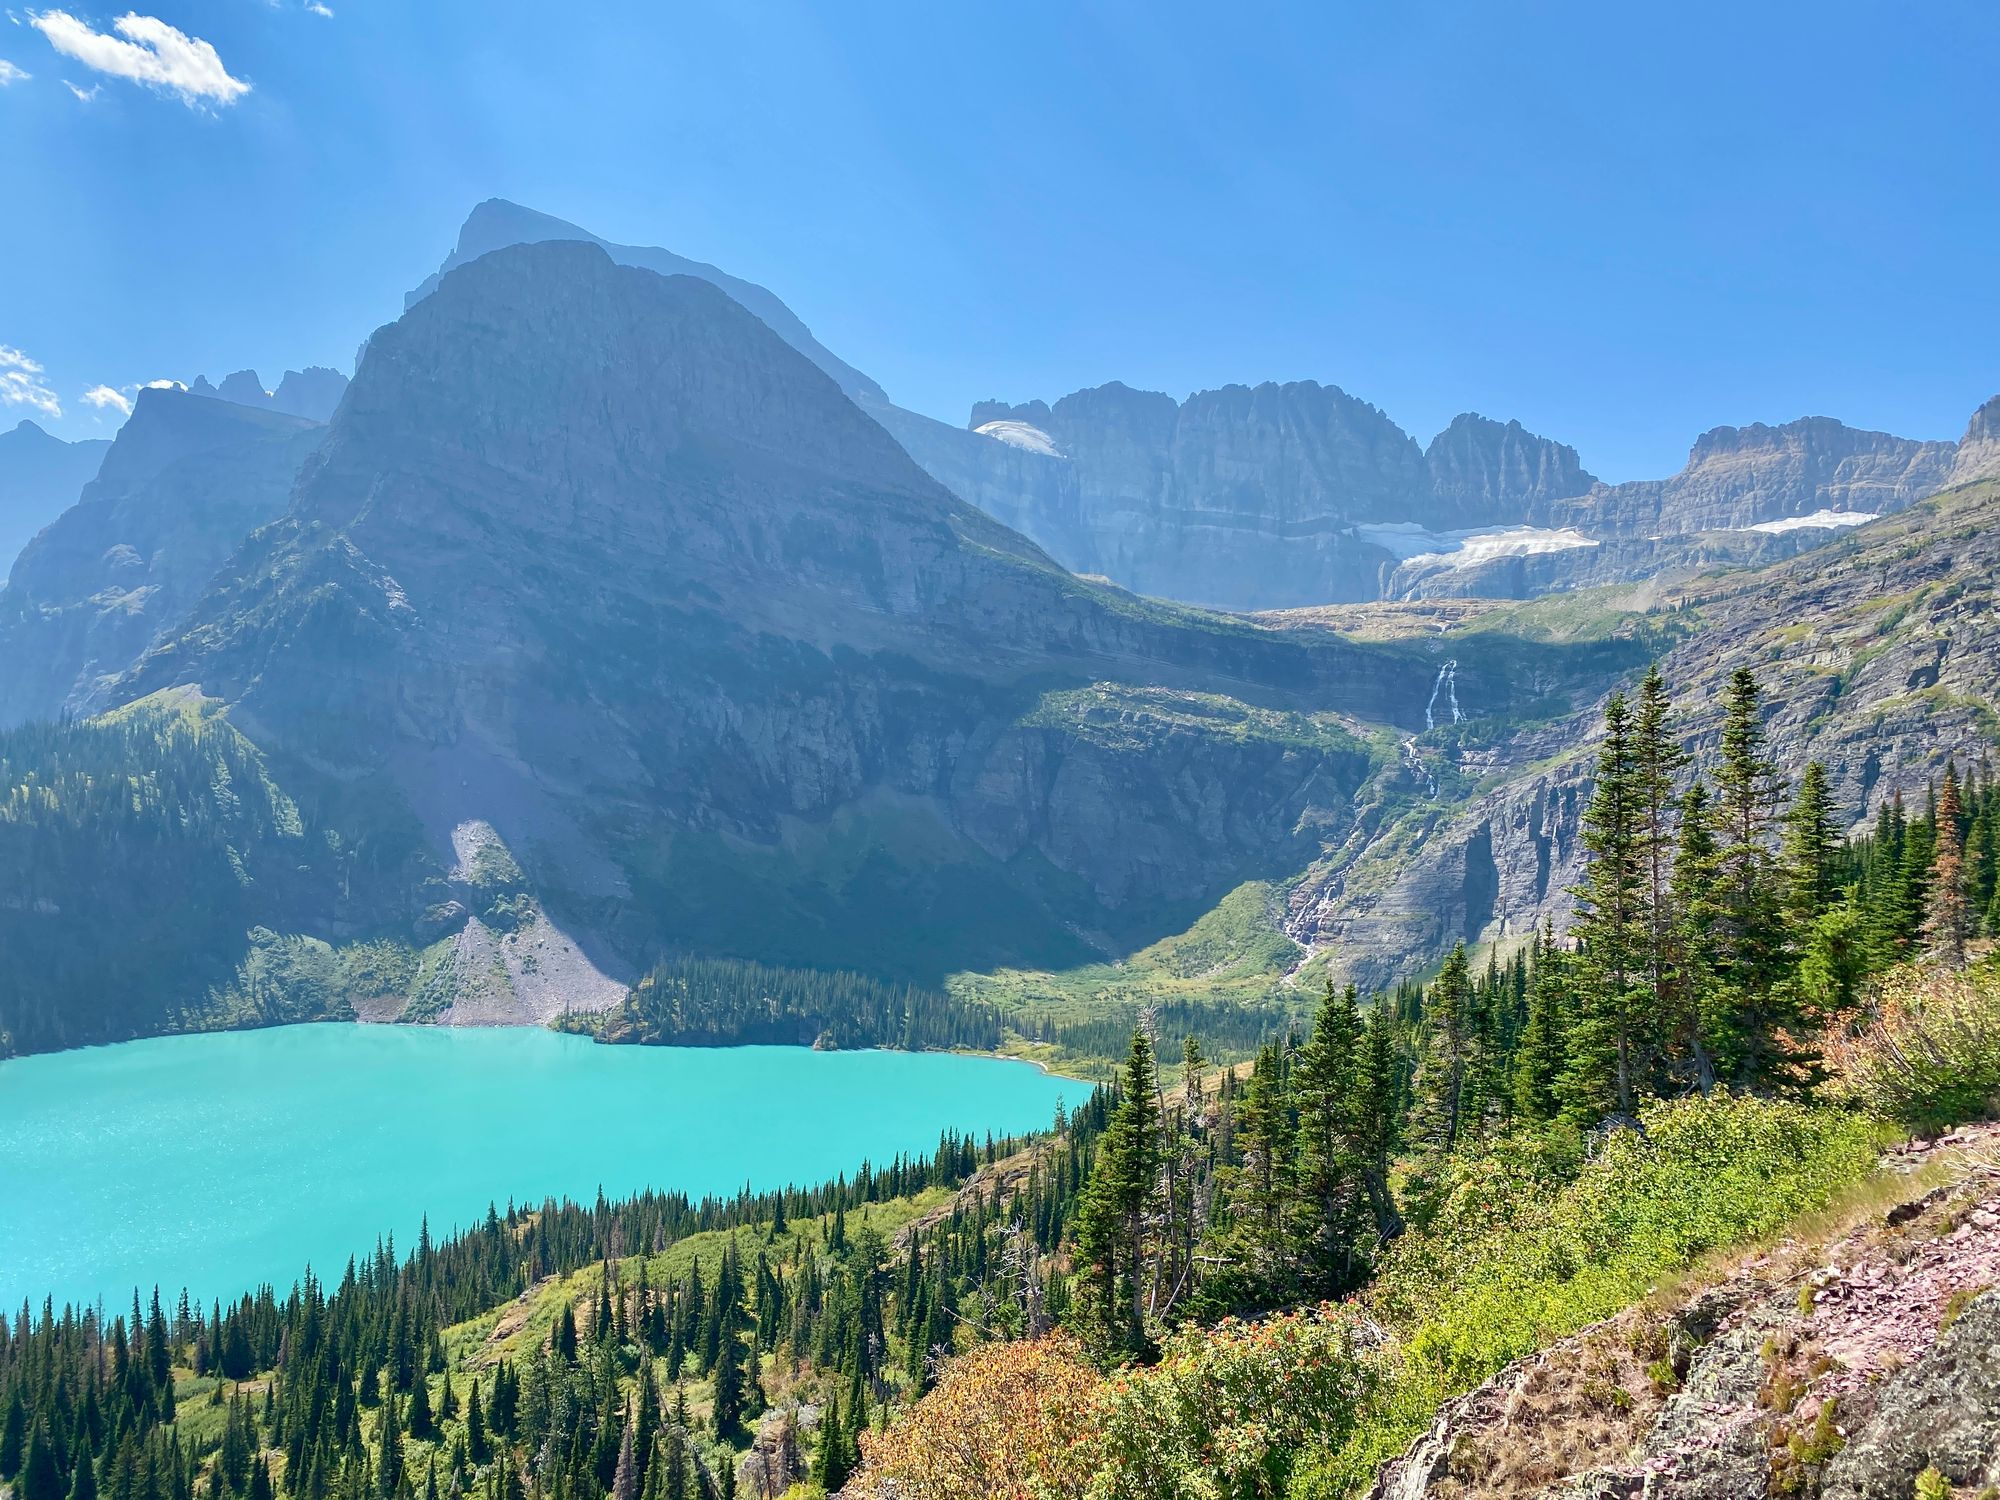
(593, 561)
(1738, 477)
(1978, 454)
(1285, 496)
(1890, 1326)
(312, 393)
(1493, 472)
(186, 480)
(1878, 652)
(39, 475)
(496, 224)
(1293, 495)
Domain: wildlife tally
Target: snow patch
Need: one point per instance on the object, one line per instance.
(1021, 435)
(1829, 519)
(1419, 548)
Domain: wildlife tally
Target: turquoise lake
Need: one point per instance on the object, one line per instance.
(216, 1162)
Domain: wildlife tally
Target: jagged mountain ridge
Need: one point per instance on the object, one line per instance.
(186, 479)
(39, 476)
(313, 393)
(723, 669)
(1280, 496)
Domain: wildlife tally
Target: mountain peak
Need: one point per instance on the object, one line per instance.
(498, 223)
(1978, 454)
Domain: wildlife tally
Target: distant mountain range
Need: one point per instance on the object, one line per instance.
(610, 617)
(311, 393)
(39, 476)
(1283, 496)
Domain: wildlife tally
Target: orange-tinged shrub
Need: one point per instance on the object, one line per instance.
(1006, 1422)
(1930, 1057)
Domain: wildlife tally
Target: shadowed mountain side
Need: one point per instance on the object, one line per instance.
(39, 476)
(593, 558)
(186, 480)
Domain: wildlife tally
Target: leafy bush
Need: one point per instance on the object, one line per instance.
(1930, 1056)
(1227, 1411)
(1012, 1420)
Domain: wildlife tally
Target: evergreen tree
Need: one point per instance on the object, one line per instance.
(1689, 1020)
(1323, 1087)
(1544, 1046)
(1812, 851)
(1613, 928)
(1657, 758)
(1750, 922)
(420, 1423)
(83, 1484)
(1113, 1219)
(1447, 1053)
(728, 1402)
(41, 1476)
(1951, 920)
(13, 1434)
(475, 1429)
(830, 1468)
(1376, 1120)
(389, 1449)
(625, 1475)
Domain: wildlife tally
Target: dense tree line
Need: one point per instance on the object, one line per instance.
(347, 1393)
(1724, 921)
(719, 1002)
(1226, 1028)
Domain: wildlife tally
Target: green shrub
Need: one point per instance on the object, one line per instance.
(1930, 1056)
(1227, 1411)
(1512, 1259)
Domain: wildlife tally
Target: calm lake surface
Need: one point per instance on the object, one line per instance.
(220, 1161)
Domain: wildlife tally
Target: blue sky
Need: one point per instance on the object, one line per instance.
(1621, 224)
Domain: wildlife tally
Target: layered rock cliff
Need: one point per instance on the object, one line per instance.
(186, 480)
(496, 224)
(1739, 477)
(1978, 455)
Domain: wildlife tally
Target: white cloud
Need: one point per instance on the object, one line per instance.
(104, 398)
(318, 9)
(11, 74)
(86, 95)
(146, 50)
(21, 383)
(165, 385)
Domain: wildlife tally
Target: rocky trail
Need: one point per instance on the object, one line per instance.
(1842, 1365)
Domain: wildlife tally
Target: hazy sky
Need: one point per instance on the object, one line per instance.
(1622, 224)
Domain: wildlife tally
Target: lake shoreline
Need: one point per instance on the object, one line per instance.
(219, 1160)
(550, 1028)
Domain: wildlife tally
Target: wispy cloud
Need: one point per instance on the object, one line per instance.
(21, 383)
(318, 9)
(84, 94)
(146, 50)
(11, 74)
(104, 398)
(164, 385)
